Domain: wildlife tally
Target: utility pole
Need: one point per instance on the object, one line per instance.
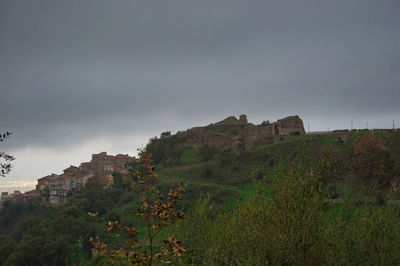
(308, 127)
(366, 124)
(393, 125)
(351, 124)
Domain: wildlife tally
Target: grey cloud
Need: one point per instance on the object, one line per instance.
(71, 70)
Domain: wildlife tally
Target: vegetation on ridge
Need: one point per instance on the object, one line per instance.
(276, 204)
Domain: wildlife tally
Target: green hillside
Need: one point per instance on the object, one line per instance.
(309, 199)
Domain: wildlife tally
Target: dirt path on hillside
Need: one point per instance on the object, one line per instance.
(174, 180)
(186, 167)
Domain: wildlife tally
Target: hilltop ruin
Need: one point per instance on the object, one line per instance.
(238, 134)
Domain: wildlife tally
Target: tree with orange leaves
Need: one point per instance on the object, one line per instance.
(158, 212)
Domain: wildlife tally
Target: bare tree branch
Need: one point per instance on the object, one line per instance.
(5, 167)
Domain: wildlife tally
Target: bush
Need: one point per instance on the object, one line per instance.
(6, 247)
(284, 229)
(207, 153)
(380, 200)
(332, 192)
(296, 213)
(371, 160)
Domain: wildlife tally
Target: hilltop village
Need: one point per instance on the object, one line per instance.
(56, 189)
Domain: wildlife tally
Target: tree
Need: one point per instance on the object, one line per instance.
(295, 215)
(165, 134)
(5, 167)
(157, 213)
(371, 160)
(6, 247)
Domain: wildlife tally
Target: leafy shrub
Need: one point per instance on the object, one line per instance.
(6, 247)
(264, 230)
(207, 153)
(380, 200)
(371, 160)
(191, 155)
(157, 212)
(332, 192)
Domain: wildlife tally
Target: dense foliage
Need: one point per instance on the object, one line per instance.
(371, 160)
(295, 225)
(274, 205)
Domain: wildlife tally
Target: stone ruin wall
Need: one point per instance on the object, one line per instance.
(237, 134)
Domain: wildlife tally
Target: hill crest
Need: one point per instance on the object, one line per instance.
(240, 135)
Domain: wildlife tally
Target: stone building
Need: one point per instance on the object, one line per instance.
(44, 182)
(56, 189)
(27, 195)
(15, 196)
(86, 168)
(64, 186)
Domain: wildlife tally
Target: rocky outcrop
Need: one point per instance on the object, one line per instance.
(237, 134)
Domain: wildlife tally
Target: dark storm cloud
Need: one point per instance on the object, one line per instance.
(71, 70)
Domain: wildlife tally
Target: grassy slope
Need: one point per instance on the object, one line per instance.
(231, 177)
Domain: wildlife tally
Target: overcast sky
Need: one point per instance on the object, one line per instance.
(78, 77)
